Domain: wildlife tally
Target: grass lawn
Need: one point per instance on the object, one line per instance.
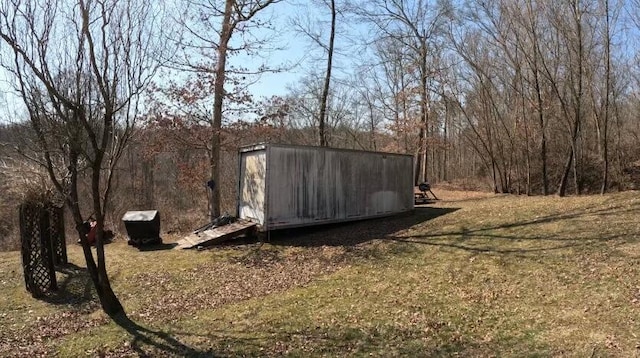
(471, 275)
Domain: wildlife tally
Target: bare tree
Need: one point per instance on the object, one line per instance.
(573, 35)
(313, 28)
(386, 88)
(305, 104)
(527, 32)
(80, 68)
(327, 78)
(207, 43)
(610, 15)
(525, 56)
(416, 26)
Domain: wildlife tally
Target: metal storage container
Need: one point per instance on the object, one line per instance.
(143, 227)
(283, 186)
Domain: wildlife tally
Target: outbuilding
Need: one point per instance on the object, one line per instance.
(282, 186)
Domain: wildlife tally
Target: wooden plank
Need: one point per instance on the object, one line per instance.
(187, 241)
(215, 235)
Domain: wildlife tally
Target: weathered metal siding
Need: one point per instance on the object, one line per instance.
(314, 185)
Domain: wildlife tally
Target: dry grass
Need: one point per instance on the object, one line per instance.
(472, 275)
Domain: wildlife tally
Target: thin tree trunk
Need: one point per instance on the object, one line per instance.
(445, 159)
(577, 96)
(576, 177)
(541, 119)
(327, 79)
(562, 187)
(419, 178)
(424, 111)
(527, 147)
(605, 139)
(493, 176)
(543, 141)
(372, 126)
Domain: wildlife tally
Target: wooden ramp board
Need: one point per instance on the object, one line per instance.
(215, 235)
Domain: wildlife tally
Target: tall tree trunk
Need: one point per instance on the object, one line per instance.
(98, 273)
(605, 139)
(424, 111)
(527, 143)
(576, 78)
(108, 299)
(578, 98)
(419, 178)
(543, 140)
(445, 134)
(541, 125)
(327, 79)
(540, 107)
(218, 97)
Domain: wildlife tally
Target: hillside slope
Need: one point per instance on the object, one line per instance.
(473, 274)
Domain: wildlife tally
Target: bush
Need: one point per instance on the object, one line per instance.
(19, 183)
(9, 228)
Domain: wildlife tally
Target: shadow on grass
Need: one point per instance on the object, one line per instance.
(75, 289)
(431, 338)
(158, 342)
(157, 247)
(344, 240)
(463, 239)
(354, 232)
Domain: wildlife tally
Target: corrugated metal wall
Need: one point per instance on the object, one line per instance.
(314, 185)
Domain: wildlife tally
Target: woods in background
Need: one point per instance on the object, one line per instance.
(520, 96)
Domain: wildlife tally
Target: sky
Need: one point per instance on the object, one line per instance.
(294, 49)
(300, 48)
(9, 102)
(276, 84)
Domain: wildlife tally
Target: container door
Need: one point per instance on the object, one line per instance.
(253, 169)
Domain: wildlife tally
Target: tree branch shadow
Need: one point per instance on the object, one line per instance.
(495, 249)
(467, 239)
(75, 289)
(157, 341)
